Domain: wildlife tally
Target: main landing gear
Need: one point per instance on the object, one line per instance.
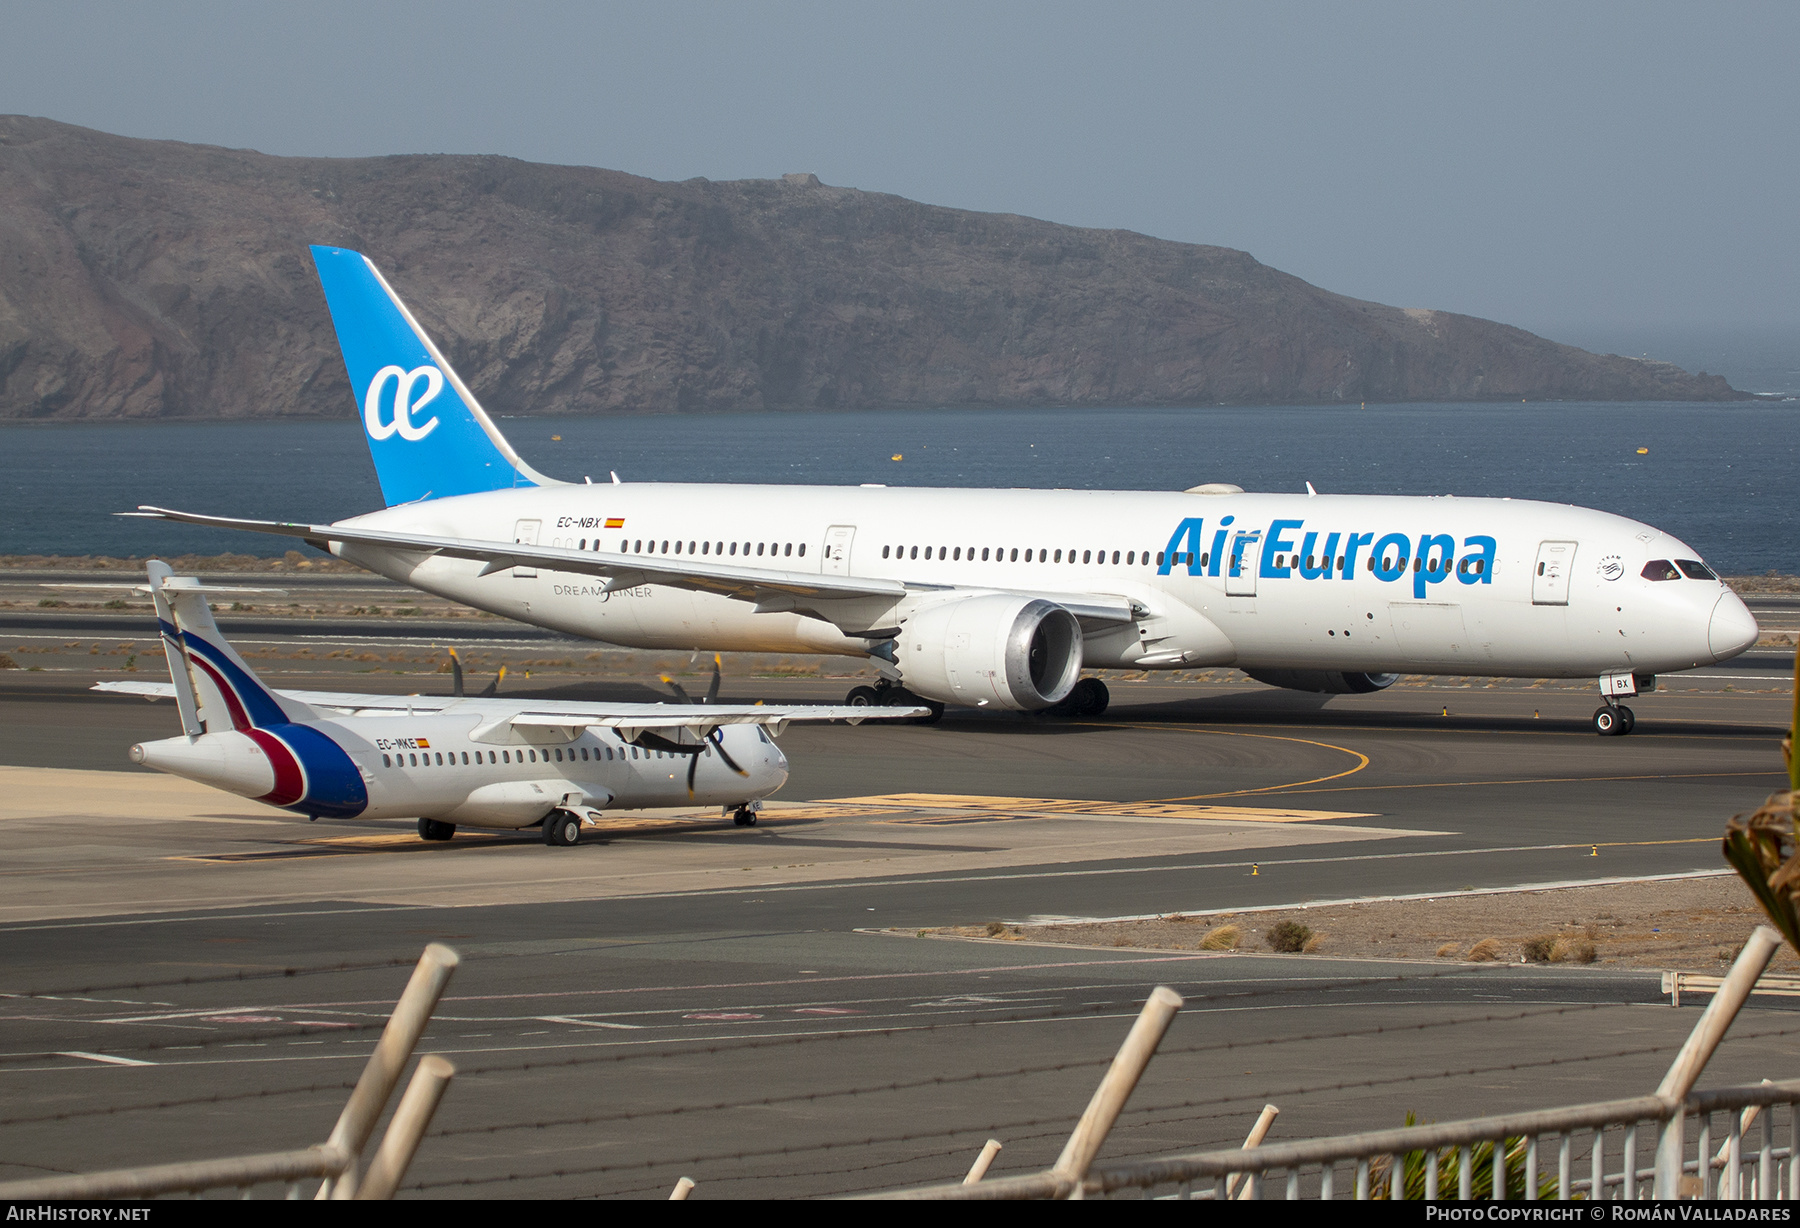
(1088, 697)
(743, 816)
(1613, 721)
(562, 829)
(431, 829)
(885, 694)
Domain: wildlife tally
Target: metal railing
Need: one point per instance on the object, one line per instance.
(336, 1160)
(1618, 1149)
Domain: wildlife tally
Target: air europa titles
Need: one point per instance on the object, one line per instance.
(1288, 549)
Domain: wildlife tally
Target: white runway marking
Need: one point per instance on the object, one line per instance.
(104, 1058)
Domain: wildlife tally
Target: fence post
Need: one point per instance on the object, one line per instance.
(401, 1141)
(1238, 1187)
(979, 1168)
(1684, 1072)
(392, 1051)
(1116, 1087)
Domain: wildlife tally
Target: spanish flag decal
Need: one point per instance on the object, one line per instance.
(424, 744)
(615, 522)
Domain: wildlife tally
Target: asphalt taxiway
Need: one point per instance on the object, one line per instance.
(188, 974)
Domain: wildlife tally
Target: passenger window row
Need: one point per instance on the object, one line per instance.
(724, 549)
(1131, 558)
(1004, 554)
(1663, 569)
(601, 754)
(1431, 566)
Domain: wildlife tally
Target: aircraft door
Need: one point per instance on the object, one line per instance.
(1242, 564)
(837, 549)
(525, 533)
(1550, 582)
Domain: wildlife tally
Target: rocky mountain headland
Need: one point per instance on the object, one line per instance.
(147, 279)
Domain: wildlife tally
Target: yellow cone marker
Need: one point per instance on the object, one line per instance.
(1595, 852)
(1253, 869)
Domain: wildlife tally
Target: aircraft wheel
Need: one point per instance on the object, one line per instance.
(1089, 698)
(1630, 719)
(744, 817)
(900, 697)
(1608, 723)
(431, 829)
(863, 697)
(562, 830)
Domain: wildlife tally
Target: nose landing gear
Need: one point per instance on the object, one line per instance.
(1615, 720)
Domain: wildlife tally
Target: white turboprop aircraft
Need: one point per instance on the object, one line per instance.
(507, 763)
(1000, 598)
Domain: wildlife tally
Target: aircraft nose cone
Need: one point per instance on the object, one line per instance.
(1733, 628)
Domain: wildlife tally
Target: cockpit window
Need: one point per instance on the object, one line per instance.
(1694, 569)
(1660, 569)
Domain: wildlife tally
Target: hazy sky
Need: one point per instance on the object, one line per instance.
(1569, 167)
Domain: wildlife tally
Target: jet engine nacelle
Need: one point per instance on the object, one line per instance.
(1020, 653)
(1324, 682)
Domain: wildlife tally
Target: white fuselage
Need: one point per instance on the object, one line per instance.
(1483, 586)
(428, 766)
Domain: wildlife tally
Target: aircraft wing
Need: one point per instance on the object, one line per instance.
(628, 719)
(768, 587)
(618, 570)
(701, 718)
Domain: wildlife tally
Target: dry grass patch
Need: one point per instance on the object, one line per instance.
(1485, 952)
(1537, 948)
(1573, 949)
(1222, 938)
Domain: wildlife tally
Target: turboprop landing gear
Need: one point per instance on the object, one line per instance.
(431, 829)
(743, 816)
(562, 830)
(1614, 721)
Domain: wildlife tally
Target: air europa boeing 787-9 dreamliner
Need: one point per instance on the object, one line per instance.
(1001, 598)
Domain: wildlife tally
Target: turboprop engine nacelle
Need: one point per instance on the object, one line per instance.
(1324, 682)
(1021, 653)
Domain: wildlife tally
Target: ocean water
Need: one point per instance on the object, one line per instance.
(1722, 477)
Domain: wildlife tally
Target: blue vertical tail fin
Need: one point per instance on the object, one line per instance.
(427, 433)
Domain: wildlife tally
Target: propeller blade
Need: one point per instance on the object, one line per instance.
(456, 679)
(718, 741)
(693, 766)
(493, 688)
(676, 687)
(712, 692)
